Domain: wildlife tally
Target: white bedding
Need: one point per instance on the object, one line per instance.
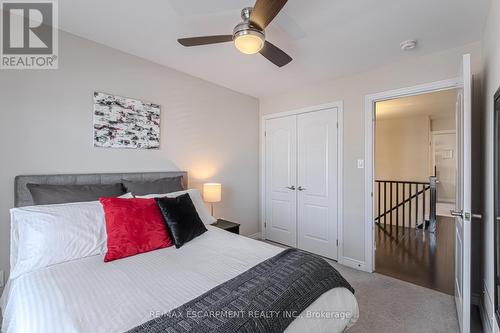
(88, 295)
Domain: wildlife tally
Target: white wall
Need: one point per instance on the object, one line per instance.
(444, 123)
(402, 150)
(352, 90)
(46, 127)
(491, 56)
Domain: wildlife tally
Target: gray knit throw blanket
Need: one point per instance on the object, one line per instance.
(266, 298)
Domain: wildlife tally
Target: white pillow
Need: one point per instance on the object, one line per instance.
(46, 235)
(195, 195)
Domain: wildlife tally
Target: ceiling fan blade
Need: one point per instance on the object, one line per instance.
(195, 41)
(275, 54)
(265, 11)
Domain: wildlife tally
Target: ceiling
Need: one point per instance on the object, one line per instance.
(434, 105)
(327, 39)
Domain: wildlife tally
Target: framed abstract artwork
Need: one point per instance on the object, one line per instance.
(121, 122)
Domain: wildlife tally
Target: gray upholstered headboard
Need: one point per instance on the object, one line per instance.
(22, 196)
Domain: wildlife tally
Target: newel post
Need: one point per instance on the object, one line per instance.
(433, 202)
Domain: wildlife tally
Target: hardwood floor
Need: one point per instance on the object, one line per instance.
(418, 256)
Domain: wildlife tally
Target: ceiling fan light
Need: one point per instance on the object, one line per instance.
(249, 41)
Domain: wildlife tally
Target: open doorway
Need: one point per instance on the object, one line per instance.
(415, 174)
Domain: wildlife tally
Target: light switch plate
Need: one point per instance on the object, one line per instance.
(361, 164)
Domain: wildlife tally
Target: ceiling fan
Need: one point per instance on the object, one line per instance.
(249, 36)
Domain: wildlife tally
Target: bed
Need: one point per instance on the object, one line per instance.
(88, 295)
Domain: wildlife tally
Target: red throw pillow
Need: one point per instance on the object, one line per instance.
(133, 226)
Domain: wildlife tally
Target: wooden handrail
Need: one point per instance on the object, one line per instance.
(402, 182)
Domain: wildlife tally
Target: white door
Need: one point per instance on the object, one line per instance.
(462, 210)
(281, 176)
(317, 182)
(445, 163)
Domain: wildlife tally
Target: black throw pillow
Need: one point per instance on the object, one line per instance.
(159, 186)
(45, 194)
(181, 218)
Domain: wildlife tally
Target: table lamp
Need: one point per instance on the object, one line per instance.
(212, 193)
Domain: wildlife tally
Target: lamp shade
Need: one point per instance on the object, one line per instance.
(212, 192)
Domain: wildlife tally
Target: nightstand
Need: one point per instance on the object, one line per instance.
(228, 226)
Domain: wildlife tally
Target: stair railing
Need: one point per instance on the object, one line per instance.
(406, 204)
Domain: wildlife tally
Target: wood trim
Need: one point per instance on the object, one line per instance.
(353, 263)
(257, 235)
(340, 182)
(443, 132)
(337, 104)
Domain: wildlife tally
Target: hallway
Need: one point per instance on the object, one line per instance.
(418, 256)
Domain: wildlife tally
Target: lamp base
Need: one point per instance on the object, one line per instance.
(212, 211)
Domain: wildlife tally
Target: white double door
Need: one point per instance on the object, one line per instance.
(301, 185)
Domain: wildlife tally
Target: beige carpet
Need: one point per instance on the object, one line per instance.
(388, 305)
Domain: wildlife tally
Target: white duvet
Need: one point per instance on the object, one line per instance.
(88, 295)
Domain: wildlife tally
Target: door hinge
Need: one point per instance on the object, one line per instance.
(265, 224)
(265, 133)
(337, 125)
(337, 242)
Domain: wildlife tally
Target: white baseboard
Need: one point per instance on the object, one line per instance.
(353, 263)
(257, 235)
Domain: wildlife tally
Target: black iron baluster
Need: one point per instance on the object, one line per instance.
(385, 204)
(378, 199)
(397, 208)
(390, 207)
(404, 204)
(409, 208)
(398, 202)
(416, 207)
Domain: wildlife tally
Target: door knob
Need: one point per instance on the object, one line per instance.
(460, 213)
(300, 188)
(291, 188)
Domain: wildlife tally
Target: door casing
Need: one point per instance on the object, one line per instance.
(369, 132)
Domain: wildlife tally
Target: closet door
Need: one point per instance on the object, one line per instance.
(281, 175)
(317, 182)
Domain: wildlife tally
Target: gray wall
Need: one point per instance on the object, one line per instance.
(46, 127)
(352, 90)
(491, 56)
